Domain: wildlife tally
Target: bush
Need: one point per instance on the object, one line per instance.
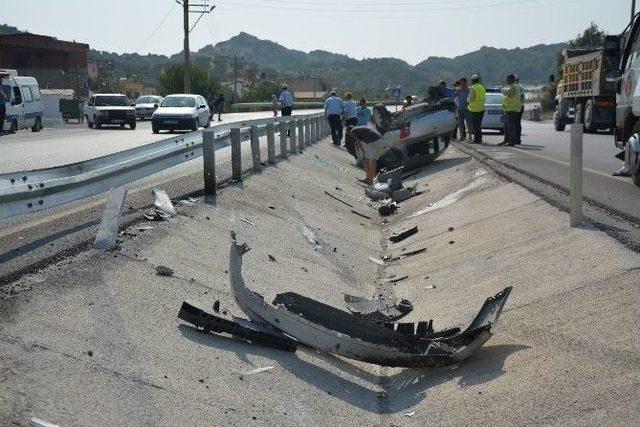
(171, 80)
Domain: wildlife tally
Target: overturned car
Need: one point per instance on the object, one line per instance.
(412, 137)
(369, 332)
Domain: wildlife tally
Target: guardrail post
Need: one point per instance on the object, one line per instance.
(236, 154)
(283, 138)
(575, 215)
(292, 135)
(209, 162)
(255, 148)
(271, 144)
(307, 131)
(318, 128)
(301, 135)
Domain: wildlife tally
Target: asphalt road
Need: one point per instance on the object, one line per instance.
(55, 146)
(544, 154)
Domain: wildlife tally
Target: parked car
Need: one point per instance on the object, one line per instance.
(109, 109)
(23, 102)
(181, 112)
(493, 111)
(146, 105)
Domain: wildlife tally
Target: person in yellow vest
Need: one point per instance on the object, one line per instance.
(475, 107)
(512, 105)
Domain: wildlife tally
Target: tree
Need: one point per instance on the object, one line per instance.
(171, 80)
(260, 92)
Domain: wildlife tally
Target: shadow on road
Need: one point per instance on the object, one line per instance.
(381, 394)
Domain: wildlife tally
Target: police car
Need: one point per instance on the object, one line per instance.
(23, 102)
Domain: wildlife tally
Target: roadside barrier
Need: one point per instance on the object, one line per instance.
(32, 191)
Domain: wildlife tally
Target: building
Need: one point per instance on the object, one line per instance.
(309, 88)
(54, 63)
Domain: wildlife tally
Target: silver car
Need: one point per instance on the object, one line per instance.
(181, 112)
(146, 105)
(493, 112)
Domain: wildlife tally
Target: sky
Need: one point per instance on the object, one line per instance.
(411, 30)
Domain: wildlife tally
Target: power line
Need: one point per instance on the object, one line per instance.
(157, 28)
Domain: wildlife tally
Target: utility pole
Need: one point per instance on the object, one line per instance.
(236, 59)
(187, 77)
(633, 9)
(201, 8)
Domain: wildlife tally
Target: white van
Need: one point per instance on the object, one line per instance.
(23, 102)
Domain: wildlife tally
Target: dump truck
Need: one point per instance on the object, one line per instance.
(584, 95)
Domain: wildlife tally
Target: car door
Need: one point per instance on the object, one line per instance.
(203, 112)
(27, 107)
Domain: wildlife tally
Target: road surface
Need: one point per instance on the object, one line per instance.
(57, 146)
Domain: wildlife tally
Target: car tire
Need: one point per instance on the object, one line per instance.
(37, 126)
(14, 126)
(96, 123)
(588, 117)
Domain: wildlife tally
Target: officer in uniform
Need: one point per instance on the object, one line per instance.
(512, 106)
(475, 107)
(332, 112)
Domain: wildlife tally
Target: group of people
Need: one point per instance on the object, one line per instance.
(348, 112)
(470, 104)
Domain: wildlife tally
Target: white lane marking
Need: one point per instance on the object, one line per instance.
(450, 198)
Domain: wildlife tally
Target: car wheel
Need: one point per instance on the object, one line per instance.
(37, 126)
(96, 123)
(14, 126)
(154, 128)
(89, 123)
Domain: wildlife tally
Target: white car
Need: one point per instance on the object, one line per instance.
(181, 112)
(146, 105)
(493, 112)
(23, 102)
(109, 109)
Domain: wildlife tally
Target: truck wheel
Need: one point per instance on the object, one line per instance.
(588, 117)
(97, 123)
(558, 125)
(14, 126)
(37, 126)
(154, 128)
(132, 126)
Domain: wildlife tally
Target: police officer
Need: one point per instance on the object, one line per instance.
(475, 107)
(286, 101)
(332, 112)
(512, 106)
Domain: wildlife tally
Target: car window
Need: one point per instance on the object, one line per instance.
(634, 51)
(179, 101)
(147, 100)
(111, 101)
(17, 96)
(35, 91)
(493, 98)
(26, 94)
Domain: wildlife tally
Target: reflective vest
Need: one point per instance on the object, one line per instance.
(512, 103)
(477, 105)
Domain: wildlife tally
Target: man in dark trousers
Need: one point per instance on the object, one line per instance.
(512, 109)
(3, 110)
(219, 104)
(333, 112)
(475, 106)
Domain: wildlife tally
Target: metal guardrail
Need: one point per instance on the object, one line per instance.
(37, 190)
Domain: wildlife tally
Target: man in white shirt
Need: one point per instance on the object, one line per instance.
(286, 101)
(332, 112)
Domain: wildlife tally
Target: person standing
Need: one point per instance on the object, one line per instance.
(519, 123)
(332, 112)
(3, 109)
(286, 101)
(274, 105)
(364, 113)
(350, 110)
(219, 104)
(461, 95)
(475, 106)
(512, 107)
(445, 92)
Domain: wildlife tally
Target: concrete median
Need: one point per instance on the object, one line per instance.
(95, 339)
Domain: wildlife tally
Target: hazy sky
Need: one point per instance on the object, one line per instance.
(408, 29)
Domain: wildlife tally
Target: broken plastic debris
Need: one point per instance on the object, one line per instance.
(163, 203)
(376, 260)
(161, 270)
(398, 237)
(247, 221)
(410, 414)
(388, 209)
(258, 370)
(37, 422)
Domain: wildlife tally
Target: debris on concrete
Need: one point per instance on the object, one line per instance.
(216, 306)
(254, 331)
(388, 209)
(143, 228)
(410, 414)
(258, 370)
(156, 215)
(412, 253)
(360, 214)
(248, 222)
(376, 260)
(329, 329)
(404, 194)
(398, 237)
(106, 237)
(451, 242)
(188, 202)
(399, 279)
(430, 287)
(338, 199)
(380, 309)
(451, 228)
(161, 270)
(272, 258)
(163, 203)
(375, 195)
(37, 422)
